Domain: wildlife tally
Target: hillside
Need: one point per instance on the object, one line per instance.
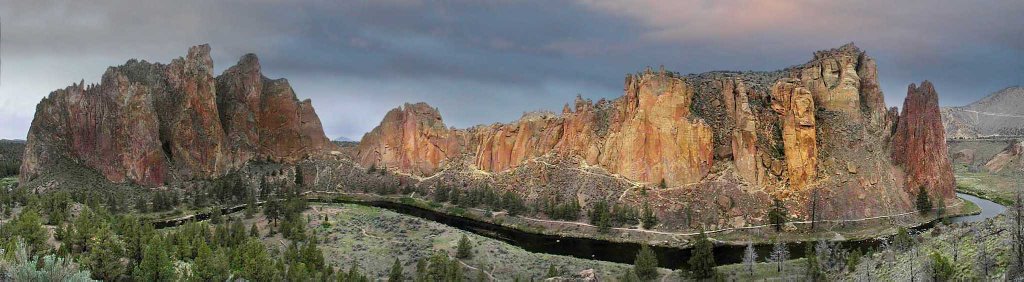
(1000, 113)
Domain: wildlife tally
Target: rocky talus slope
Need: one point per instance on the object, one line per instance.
(1001, 113)
(152, 123)
(724, 143)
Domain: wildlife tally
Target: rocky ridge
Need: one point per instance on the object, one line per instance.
(741, 136)
(998, 114)
(152, 123)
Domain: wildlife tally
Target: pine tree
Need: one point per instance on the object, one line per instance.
(465, 249)
(649, 219)
(156, 264)
(105, 253)
(396, 272)
(702, 261)
(813, 267)
(924, 203)
(942, 268)
(215, 217)
(254, 231)
(211, 265)
(646, 263)
(778, 214)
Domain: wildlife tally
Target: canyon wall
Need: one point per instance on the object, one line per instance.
(151, 123)
(819, 124)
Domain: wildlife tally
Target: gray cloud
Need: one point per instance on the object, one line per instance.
(486, 62)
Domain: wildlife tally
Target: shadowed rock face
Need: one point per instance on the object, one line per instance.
(819, 124)
(919, 144)
(150, 123)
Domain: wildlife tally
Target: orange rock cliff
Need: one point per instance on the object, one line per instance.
(818, 124)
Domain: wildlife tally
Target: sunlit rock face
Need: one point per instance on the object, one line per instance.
(151, 123)
(819, 124)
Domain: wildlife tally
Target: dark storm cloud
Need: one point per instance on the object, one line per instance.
(485, 62)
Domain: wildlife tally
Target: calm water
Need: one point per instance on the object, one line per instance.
(988, 209)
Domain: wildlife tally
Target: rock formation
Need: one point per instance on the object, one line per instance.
(795, 106)
(919, 143)
(819, 124)
(150, 123)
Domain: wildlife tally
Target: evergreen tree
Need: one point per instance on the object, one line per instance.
(813, 267)
(663, 185)
(251, 261)
(254, 231)
(903, 241)
(465, 248)
(156, 264)
(396, 272)
(702, 261)
(211, 265)
(272, 210)
(942, 268)
(649, 219)
(778, 214)
(105, 253)
(646, 263)
(924, 203)
(215, 217)
(29, 226)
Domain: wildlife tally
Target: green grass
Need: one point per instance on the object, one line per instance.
(993, 187)
(8, 181)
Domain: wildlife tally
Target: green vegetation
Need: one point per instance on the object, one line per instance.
(923, 203)
(465, 249)
(702, 260)
(778, 215)
(10, 157)
(646, 264)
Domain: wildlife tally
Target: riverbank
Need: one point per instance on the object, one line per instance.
(991, 187)
(833, 230)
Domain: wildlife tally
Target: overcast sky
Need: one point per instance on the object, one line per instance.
(485, 63)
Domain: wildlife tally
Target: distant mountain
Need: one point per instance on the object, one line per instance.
(343, 139)
(1001, 113)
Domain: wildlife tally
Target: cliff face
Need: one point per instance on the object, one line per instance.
(647, 135)
(150, 123)
(919, 143)
(819, 124)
